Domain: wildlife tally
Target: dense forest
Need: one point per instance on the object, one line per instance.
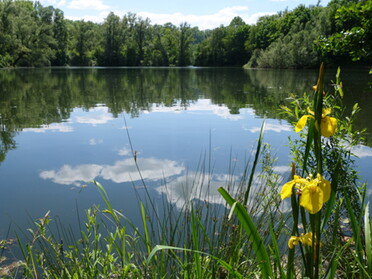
(339, 34)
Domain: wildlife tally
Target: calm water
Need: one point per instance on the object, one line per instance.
(61, 128)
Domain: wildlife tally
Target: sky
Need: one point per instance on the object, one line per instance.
(206, 14)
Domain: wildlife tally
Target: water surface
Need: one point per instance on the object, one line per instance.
(61, 128)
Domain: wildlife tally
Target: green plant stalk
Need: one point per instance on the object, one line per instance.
(332, 266)
(145, 229)
(318, 110)
(368, 237)
(228, 267)
(356, 232)
(252, 233)
(276, 252)
(255, 162)
(195, 239)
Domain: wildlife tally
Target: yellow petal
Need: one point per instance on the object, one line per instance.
(307, 239)
(302, 122)
(293, 240)
(328, 126)
(312, 198)
(286, 191)
(326, 111)
(325, 186)
(310, 111)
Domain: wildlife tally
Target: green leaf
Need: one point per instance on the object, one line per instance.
(252, 233)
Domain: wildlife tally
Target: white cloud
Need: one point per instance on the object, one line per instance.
(58, 127)
(151, 169)
(94, 119)
(96, 115)
(198, 186)
(282, 169)
(202, 105)
(209, 21)
(68, 175)
(94, 141)
(54, 3)
(182, 190)
(121, 171)
(272, 127)
(362, 151)
(124, 151)
(87, 4)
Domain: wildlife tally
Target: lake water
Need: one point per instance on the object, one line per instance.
(61, 128)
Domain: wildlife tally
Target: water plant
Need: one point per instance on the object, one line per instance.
(325, 185)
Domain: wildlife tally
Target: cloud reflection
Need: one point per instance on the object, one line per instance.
(201, 106)
(362, 151)
(121, 171)
(198, 186)
(182, 190)
(58, 127)
(278, 128)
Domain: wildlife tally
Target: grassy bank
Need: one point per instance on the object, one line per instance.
(313, 224)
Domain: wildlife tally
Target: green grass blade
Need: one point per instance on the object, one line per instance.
(255, 162)
(277, 258)
(145, 229)
(195, 240)
(356, 231)
(368, 237)
(157, 248)
(251, 230)
(332, 199)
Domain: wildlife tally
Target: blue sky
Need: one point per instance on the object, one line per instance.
(204, 14)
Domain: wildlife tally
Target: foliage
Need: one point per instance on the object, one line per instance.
(33, 35)
(354, 35)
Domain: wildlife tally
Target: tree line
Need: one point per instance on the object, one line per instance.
(34, 35)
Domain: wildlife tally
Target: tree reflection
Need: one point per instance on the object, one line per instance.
(31, 98)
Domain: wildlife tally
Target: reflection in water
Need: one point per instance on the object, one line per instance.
(36, 98)
(122, 171)
(203, 187)
(74, 134)
(54, 127)
(361, 151)
(97, 116)
(182, 190)
(271, 127)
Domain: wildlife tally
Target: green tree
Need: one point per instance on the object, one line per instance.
(60, 35)
(237, 35)
(354, 32)
(113, 40)
(185, 39)
(83, 43)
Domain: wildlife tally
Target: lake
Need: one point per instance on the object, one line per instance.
(63, 127)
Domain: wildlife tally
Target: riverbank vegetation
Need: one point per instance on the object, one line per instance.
(339, 34)
(323, 231)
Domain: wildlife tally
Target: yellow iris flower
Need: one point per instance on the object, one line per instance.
(305, 239)
(328, 124)
(313, 192)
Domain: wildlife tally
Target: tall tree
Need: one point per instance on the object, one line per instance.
(185, 40)
(113, 40)
(61, 38)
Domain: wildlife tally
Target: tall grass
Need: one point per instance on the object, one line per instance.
(245, 237)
